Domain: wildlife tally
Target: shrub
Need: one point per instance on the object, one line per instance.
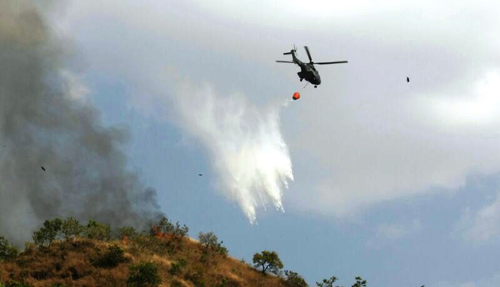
(128, 232)
(359, 282)
(180, 231)
(196, 277)
(176, 267)
(72, 228)
(48, 233)
(293, 279)
(210, 241)
(98, 231)
(165, 226)
(7, 250)
(111, 258)
(144, 274)
(327, 282)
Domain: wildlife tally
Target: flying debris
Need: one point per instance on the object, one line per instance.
(307, 70)
(296, 96)
(407, 79)
(43, 168)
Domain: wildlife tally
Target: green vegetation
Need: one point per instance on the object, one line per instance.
(7, 250)
(164, 226)
(98, 231)
(176, 267)
(48, 232)
(71, 228)
(127, 232)
(211, 243)
(327, 282)
(359, 282)
(268, 261)
(144, 274)
(65, 251)
(111, 258)
(293, 279)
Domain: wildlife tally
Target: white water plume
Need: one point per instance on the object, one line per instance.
(245, 144)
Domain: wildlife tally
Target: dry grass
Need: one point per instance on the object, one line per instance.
(70, 264)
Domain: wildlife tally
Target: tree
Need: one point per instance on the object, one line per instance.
(180, 231)
(208, 239)
(359, 282)
(327, 282)
(166, 227)
(144, 274)
(48, 232)
(163, 226)
(98, 231)
(293, 279)
(268, 260)
(128, 232)
(7, 250)
(211, 242)
(71, 228)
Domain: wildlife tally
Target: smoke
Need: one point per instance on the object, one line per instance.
(245, 144)
(44, 122)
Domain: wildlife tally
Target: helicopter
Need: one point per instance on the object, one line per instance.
(307, 70)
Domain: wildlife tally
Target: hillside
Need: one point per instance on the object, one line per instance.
(88, 260)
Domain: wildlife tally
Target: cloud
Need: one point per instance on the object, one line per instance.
(392, 231)
(365, 136)
(482, 226)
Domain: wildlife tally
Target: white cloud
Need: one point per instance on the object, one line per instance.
(480, 109)
(393, 231)
(482, 226)
(365, 136)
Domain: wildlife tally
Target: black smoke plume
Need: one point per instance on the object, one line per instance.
(41, 124)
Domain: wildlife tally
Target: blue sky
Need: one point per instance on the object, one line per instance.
(395, 182)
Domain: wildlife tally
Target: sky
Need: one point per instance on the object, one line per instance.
(396, 182)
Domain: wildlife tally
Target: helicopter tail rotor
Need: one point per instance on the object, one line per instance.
(294, 50)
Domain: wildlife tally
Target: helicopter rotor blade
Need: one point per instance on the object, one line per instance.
(308, 54)
(328, 63)
(285, 62)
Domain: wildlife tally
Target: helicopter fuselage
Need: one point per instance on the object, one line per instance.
(307, 71)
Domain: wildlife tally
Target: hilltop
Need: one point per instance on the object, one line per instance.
(65, 253)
